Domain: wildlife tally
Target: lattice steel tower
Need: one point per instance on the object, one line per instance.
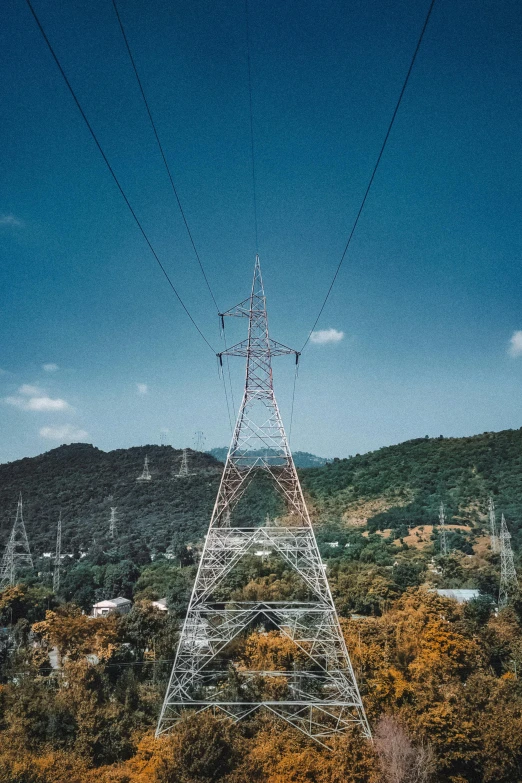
(145, 476)
(57, 556)
(17, 552)
(493, 526)
(183, 471)
(442, 530)
(112, 524)
(508, 574)
(319, 694)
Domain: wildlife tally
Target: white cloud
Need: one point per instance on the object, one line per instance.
(142, 388)
(50, 367)
(43, 403)
(10, 220)
(515, 344)
(30, 391)
(324, 336)
(47, 404)
(65, 433)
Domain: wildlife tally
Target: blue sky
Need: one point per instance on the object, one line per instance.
(427, 301)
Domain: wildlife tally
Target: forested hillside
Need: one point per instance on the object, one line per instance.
(439, 680)
(302, 459)
(84, 482)
(402, 486)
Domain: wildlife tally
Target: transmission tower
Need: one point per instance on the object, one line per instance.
(508, 575)
(442, 530)
(319, 695)
(17, 552)
(199, 440)
(183, 471)
(112, 525)
(145, 476)
(57, 556)
(492, 526)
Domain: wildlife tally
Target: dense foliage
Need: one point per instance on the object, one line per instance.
(411, 479)
(79, 697)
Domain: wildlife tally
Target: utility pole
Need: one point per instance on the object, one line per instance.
(493, 526)
(442, 531)
(112, 525)
(508, 574)
(323, 701)
(57, 556)
(145, 476)
(183, 471)
(17, 552)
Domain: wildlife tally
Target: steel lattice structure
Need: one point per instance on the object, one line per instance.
(17, 552)
(508, 575)
(57, 556)
(320, 695)
(113, 530)
(493, 526)
(183, 471)
(442, 530)
(145, 476)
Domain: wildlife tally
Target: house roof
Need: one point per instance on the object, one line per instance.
(111, 602)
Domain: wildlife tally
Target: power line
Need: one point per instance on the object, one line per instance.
(252, 149)
(370, 183)
(173, 186)
(111, 170)
(160, 146)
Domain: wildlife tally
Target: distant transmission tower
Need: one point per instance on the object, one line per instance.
(319, 693)
(112, 525)
(17, 552)
(57, 556)
(183, 471)
(199, 440)
(493, 526)
(442, 531)
(145, 476)
(508, 575)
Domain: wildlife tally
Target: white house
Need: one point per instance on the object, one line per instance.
(112, 606)
(160, 605)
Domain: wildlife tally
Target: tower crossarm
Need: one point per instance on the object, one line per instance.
(244, 348)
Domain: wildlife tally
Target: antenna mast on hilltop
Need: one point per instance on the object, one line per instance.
(442, 530)
(145, 476)
(183, 471)
(493, 526)
(112, 525)
(17, 552)
(318, 694)
(57, 556)
(508, 574)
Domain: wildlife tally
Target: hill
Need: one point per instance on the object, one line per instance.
(302, 459)
(84, 482)
(397, 487)
(402, 486)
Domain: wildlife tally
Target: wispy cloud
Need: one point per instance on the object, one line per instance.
(142, 388)
(324, 336)
(32, 398)
(66, 433)
(50, 367)
(10, 220)
(38, 403)
(29, 390)
(515, 344)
